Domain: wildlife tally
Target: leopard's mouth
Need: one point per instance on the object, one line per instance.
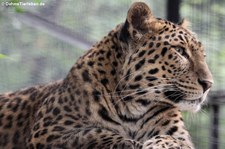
(199, 100)
(183, 102)
(196, 101)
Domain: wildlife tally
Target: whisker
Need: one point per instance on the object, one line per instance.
(129, 81)
(153, 88)
(149, 88)
(123, 79)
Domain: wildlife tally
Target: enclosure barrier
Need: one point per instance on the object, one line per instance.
(216, 99)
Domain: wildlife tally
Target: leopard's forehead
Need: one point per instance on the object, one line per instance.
(176, 34)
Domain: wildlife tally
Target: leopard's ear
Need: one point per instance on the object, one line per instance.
(185, 23)
(141, 20)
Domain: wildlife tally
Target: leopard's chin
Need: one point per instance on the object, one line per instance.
(194, 104)
(191, 105)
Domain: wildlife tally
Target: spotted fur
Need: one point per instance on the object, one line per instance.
(127, 91)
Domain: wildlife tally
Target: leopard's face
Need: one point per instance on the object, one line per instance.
(166, 63)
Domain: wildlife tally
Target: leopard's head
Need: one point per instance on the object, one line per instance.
(164, 62)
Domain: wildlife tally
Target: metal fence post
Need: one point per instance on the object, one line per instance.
(214, 143)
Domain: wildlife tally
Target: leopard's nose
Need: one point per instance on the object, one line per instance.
(205, 84)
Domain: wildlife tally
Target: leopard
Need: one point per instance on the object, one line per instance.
(128, 91)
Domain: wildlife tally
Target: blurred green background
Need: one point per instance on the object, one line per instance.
(39, 44)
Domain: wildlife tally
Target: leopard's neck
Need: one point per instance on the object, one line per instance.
(101, 64)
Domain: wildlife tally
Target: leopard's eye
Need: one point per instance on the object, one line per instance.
(181, 50)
